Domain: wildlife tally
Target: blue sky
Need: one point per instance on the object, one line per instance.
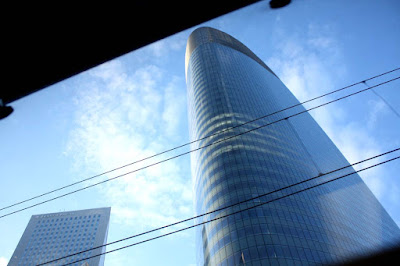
(135, 106)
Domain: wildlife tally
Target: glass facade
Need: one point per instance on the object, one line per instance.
(227, 86)
(51, 236)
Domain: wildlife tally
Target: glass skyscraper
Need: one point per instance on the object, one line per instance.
(229, 85)
(54, 235)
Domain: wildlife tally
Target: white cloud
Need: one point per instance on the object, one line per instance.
(158, 48)
(162, 47)
(376, 109)
(3, 261)
(304, 72)
(356, 144)
(122, 117)
(174, 108)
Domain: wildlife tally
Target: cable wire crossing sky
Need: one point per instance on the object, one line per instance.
(136, 106)
(224, 139)
(185, 153)
(229, 206)
(180, 146)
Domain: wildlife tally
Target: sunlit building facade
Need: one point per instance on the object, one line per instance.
(54, 235)
(229, 85)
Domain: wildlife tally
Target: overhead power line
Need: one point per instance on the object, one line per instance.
(384, 101)
(231, 205)
(194, 141)
(224, 216)
(188, 152)
(387, 103)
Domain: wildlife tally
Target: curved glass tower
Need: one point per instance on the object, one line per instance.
(227, 86)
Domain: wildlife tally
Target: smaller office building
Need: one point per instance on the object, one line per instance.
(54, 235)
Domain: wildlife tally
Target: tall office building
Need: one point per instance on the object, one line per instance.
(54, 235)
(227, 86)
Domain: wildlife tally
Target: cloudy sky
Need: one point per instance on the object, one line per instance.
(135, 106)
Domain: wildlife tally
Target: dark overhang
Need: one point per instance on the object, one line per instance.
(45, 45)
